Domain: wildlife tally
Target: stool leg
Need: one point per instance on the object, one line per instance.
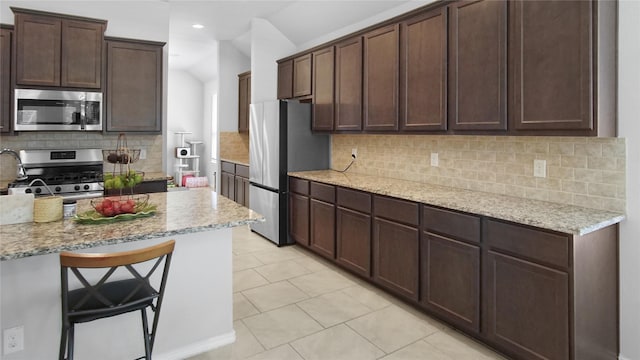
(145, 330)
(63, 342)
(70, 347)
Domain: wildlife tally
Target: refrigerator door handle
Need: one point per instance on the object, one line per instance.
(256, 114)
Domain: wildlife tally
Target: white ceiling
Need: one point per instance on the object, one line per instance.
(301, 21)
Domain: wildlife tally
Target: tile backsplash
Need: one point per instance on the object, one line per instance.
(234, 146)
(77, 140)
(581, 171)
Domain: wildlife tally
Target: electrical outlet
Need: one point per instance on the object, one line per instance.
(143, 154)
(354, 153)
(540, 168)
(434, 159)
(13, 340)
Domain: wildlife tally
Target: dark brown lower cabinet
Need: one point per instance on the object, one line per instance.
(240, 191)
(323, 226)
(451, 280)
(227, 185)
(353, 236)
(395, 257)
(299, 218)
(527, 307)
(531, 293)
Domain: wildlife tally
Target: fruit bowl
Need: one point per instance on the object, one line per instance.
(116, 205)
(121, 156)
(127, 179)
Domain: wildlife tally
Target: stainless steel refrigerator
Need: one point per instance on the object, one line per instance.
(280, 141)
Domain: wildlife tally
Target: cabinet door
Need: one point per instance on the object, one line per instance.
(451, 280)
(5, 80)
(348, 101)
(285, 80)
(526, 307)
(551, 53)
(38, 45)
(245, 184)
(239, 187)
(478, 65)
(380, 79)
(423, 72)
(227, 183)
(244, 99)
(134, 87)
(81, 64)
(353, 235)
(323, 226)
(395, 257)
(302, 76)
(323, 80)
(299, 218)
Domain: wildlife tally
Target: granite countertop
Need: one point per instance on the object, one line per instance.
(181, 212)
(241, 161)
(547, 215)
(155, 176)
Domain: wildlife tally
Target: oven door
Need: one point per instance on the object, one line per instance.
(37, 110)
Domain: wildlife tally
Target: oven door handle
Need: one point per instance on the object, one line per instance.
(83, 195)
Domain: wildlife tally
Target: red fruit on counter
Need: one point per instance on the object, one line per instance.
(126, 208)
(108, 211)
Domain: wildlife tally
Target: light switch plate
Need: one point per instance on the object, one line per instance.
(434, 159)
(540, 168)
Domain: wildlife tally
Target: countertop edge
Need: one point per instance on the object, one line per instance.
(235, 161)
(152, 235)
(577, 230)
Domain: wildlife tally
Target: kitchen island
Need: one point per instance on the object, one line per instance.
(197, 310)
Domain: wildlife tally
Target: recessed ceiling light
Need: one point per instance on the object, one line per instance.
(197, 26)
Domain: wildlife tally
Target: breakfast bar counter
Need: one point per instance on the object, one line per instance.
(197, 313)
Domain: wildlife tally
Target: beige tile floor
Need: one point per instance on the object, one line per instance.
(289, 304)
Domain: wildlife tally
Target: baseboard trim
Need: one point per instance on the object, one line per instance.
(198, 347)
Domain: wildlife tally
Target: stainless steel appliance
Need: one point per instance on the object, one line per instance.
(37, 110)
(72, 174)
(280, 141)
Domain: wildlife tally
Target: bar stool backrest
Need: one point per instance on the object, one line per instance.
(108, 296)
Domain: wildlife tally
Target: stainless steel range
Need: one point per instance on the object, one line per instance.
(72, 174)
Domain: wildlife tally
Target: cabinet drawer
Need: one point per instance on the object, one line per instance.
(537, 245)
(299, 186)
(242, 171)
(355, 200)
(450, 223)
(323, 192)
(228, 167)
(395, 209)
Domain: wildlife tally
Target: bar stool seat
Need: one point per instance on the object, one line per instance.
(105, 297)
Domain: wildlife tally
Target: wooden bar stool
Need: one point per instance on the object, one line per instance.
(109, 297)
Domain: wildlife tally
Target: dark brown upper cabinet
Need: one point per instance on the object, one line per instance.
(58, 51)
(134, 86)
(478, 65)
(380, 79)
(302, 75)
(6, 37)
(323, 89)
(423, 72)
(348, 71)
(285, 79)
(552, 65)
(244, 100)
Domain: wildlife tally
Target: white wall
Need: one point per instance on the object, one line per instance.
(267, 45)
(211, 88)
(629, 128)
(232, 62)
(185, 110)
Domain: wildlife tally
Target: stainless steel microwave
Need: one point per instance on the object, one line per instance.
(54, 110)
